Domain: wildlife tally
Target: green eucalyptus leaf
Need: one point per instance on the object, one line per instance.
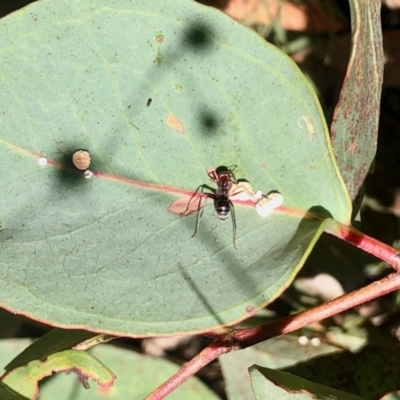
(157, 93)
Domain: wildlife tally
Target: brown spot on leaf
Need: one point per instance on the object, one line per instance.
(84, 379)
(352, 148)
(160, 38)
(106, 390)
(174, 123)
(250, 309)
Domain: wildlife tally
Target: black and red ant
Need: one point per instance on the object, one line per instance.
(224, 178)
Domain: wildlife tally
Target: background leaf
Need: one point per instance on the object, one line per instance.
(26, 379)
(293, 384)
(358, 371)
(355, 122)
(7, 393)
(277, 352)
(104, 253)
(137, 376)
(52, 342)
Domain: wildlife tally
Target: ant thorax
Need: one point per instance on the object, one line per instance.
(224, 183)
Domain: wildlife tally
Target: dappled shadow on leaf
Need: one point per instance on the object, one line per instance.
(202, 298)
(221, 4)
(296, 245)
(194, 39)
(319, 212)
(208, 121)
(307, 227)
(302, 238)
(369, 373)
(197, 36)
(68, 176)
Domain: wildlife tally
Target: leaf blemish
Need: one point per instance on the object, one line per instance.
(174, 123)
(352, 148)
(178, 87)
(250, 309)
(305, 124)
(186, 205)
(159, 58)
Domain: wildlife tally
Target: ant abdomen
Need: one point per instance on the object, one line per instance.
(222, 207)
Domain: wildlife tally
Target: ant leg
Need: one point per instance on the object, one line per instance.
(213, 176)
(233, 177)
(199, 188)
(199, 212)
(233, 224)
(231, 170)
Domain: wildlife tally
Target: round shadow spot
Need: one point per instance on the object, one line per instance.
(198, 36)
(320, 211)
(68, 176)
(209, 122)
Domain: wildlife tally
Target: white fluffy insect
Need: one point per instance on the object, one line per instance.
(88, 174)
(81, 159)
(267, 203)
(42, 161)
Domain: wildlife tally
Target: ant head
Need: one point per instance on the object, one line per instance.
(221, 168)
